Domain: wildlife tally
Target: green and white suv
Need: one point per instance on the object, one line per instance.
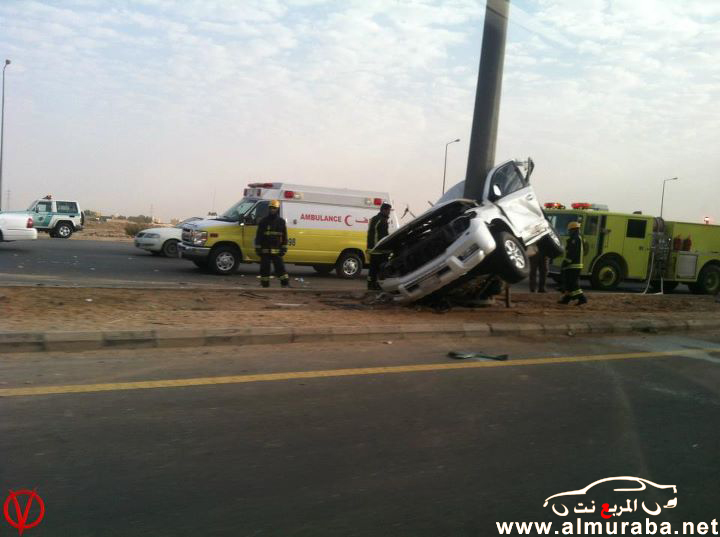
(59, 218)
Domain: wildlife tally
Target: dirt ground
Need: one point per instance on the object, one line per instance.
(38, 308)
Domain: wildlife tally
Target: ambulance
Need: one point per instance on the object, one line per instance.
(637, 247)
(327, 229)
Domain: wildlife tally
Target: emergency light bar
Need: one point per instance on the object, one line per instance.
(554, 205)
(591, 206)
(290, 195)
(373, 201)
(261, 185)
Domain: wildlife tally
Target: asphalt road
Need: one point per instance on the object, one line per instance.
(381, 452)
(117, 263)
(121, 264)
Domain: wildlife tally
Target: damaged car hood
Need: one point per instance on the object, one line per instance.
(425, 224)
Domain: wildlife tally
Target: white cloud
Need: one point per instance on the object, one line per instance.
(167, 98)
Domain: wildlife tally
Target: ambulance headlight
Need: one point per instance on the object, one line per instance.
(199, 237)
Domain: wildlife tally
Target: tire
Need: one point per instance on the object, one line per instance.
(323, 269)
(170, 248)
(550, 245)
(668, 287)
(349, 266)
(63, 230)
(606, 275)
(708, 282)
(510, 258)
(224, 260)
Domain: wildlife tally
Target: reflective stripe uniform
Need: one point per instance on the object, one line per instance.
(572, 265)
(271, 244)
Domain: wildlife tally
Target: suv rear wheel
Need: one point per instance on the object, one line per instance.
(550, 245)
(510, 258)
(63, 230)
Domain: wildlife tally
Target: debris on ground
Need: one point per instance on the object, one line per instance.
(459, 355)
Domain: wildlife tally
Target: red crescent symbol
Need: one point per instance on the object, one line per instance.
(346, 221)
(21, 522)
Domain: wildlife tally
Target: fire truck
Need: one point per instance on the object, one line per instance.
(637, 247)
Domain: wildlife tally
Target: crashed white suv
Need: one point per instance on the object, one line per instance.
(459, 239)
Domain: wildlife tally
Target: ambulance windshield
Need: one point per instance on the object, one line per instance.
(234, 213)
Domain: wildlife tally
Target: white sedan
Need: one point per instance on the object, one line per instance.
(162, 240)
(16, 227)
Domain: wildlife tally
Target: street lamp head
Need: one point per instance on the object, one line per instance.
(7, 62)
(456, 140)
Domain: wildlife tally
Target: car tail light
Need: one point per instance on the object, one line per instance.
(29, 222)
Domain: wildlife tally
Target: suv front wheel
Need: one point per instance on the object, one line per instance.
(510, 258)
(63, 230)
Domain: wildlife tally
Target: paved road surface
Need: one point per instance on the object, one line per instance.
(120, 264)
(81, 262)
(383, 452)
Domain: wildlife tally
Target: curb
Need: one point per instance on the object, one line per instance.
(11, 342)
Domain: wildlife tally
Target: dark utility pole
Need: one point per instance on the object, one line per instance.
(483, 138)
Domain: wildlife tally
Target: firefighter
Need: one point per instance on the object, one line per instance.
(271, 245)
(572, 265)
(377, 230)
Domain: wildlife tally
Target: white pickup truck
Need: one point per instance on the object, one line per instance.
(17, 227)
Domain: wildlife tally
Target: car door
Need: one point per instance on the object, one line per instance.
(43, 214)
(509, 190)
(250, 223)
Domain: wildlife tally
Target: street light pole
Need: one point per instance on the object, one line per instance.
(2, 128)
(662, 200)
(445, 166)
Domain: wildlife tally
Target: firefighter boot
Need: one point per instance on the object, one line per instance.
(581, 300)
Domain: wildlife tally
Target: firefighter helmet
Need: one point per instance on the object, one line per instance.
(274, 204)
(573, 225)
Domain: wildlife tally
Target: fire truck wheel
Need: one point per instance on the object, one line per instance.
(550, 245)
(510, 259)
(708, 283)
(224, 260)
(606, 275)
(349, 265)
(668, 287)
(323, 269)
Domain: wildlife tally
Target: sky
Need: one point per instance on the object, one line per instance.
(174, 106)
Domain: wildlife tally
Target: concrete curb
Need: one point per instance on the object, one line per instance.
(11, 342)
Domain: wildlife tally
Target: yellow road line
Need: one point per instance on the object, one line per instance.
(267, 377)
